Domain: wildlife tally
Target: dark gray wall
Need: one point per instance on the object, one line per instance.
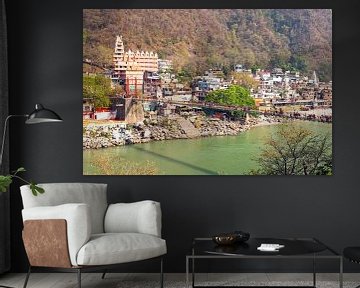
(4, 166)
(45, 47)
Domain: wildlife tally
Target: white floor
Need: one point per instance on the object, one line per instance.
(116, 280)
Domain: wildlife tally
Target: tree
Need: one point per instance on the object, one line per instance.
(209, 38)
(254, 68)
(280, 60)
(118, 90)
(85, 36)
(298, 63)
(245, 79)
(98, 89)
(226, 69)
(105, 165)
(295, 151)
(325, 71)
(104, 56)
(234, 95)
(186, 74)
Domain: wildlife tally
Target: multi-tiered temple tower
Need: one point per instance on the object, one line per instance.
(119, 50)
(130, 66)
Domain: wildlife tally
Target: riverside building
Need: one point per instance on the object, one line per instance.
(130, 66)
(144, 60)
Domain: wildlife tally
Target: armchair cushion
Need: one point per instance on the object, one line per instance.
(113, 248)
(78, 221)
(92, 194)
(138, 217)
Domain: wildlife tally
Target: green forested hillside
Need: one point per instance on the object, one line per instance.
(200, 39)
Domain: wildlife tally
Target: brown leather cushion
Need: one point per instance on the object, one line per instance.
(45, 243)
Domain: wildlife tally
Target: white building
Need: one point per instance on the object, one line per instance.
(238, 68)
(164, 65)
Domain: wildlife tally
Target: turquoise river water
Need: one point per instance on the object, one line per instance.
(224, 155)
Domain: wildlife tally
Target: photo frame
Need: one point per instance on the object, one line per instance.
(240, 92)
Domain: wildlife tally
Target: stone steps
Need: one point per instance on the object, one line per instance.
(188, 128)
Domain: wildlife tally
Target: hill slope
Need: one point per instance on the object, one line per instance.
(200, 39)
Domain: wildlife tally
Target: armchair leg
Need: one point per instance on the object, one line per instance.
(27, 277)
(79, 277)
(103, 275)
(161, 273)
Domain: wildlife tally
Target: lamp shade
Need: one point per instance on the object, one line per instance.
(42, 115)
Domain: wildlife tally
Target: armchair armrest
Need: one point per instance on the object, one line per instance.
(77, 219)
(138, 217)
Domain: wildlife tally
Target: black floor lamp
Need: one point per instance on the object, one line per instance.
(39, 115)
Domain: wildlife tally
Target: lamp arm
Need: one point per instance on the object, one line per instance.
(4, 134)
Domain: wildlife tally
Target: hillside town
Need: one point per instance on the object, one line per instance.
(159, 105)
(144, 74)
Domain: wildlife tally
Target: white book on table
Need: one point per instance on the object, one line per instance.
(270, 247)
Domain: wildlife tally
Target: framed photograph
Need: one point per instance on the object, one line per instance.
(207, 92)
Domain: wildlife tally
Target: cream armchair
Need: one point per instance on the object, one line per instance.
(72, 228)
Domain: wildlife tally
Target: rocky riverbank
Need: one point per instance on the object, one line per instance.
(165, 128)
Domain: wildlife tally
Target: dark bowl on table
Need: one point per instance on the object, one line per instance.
(225, 239)
(231, 238)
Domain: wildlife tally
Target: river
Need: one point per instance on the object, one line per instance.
(221, 155)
